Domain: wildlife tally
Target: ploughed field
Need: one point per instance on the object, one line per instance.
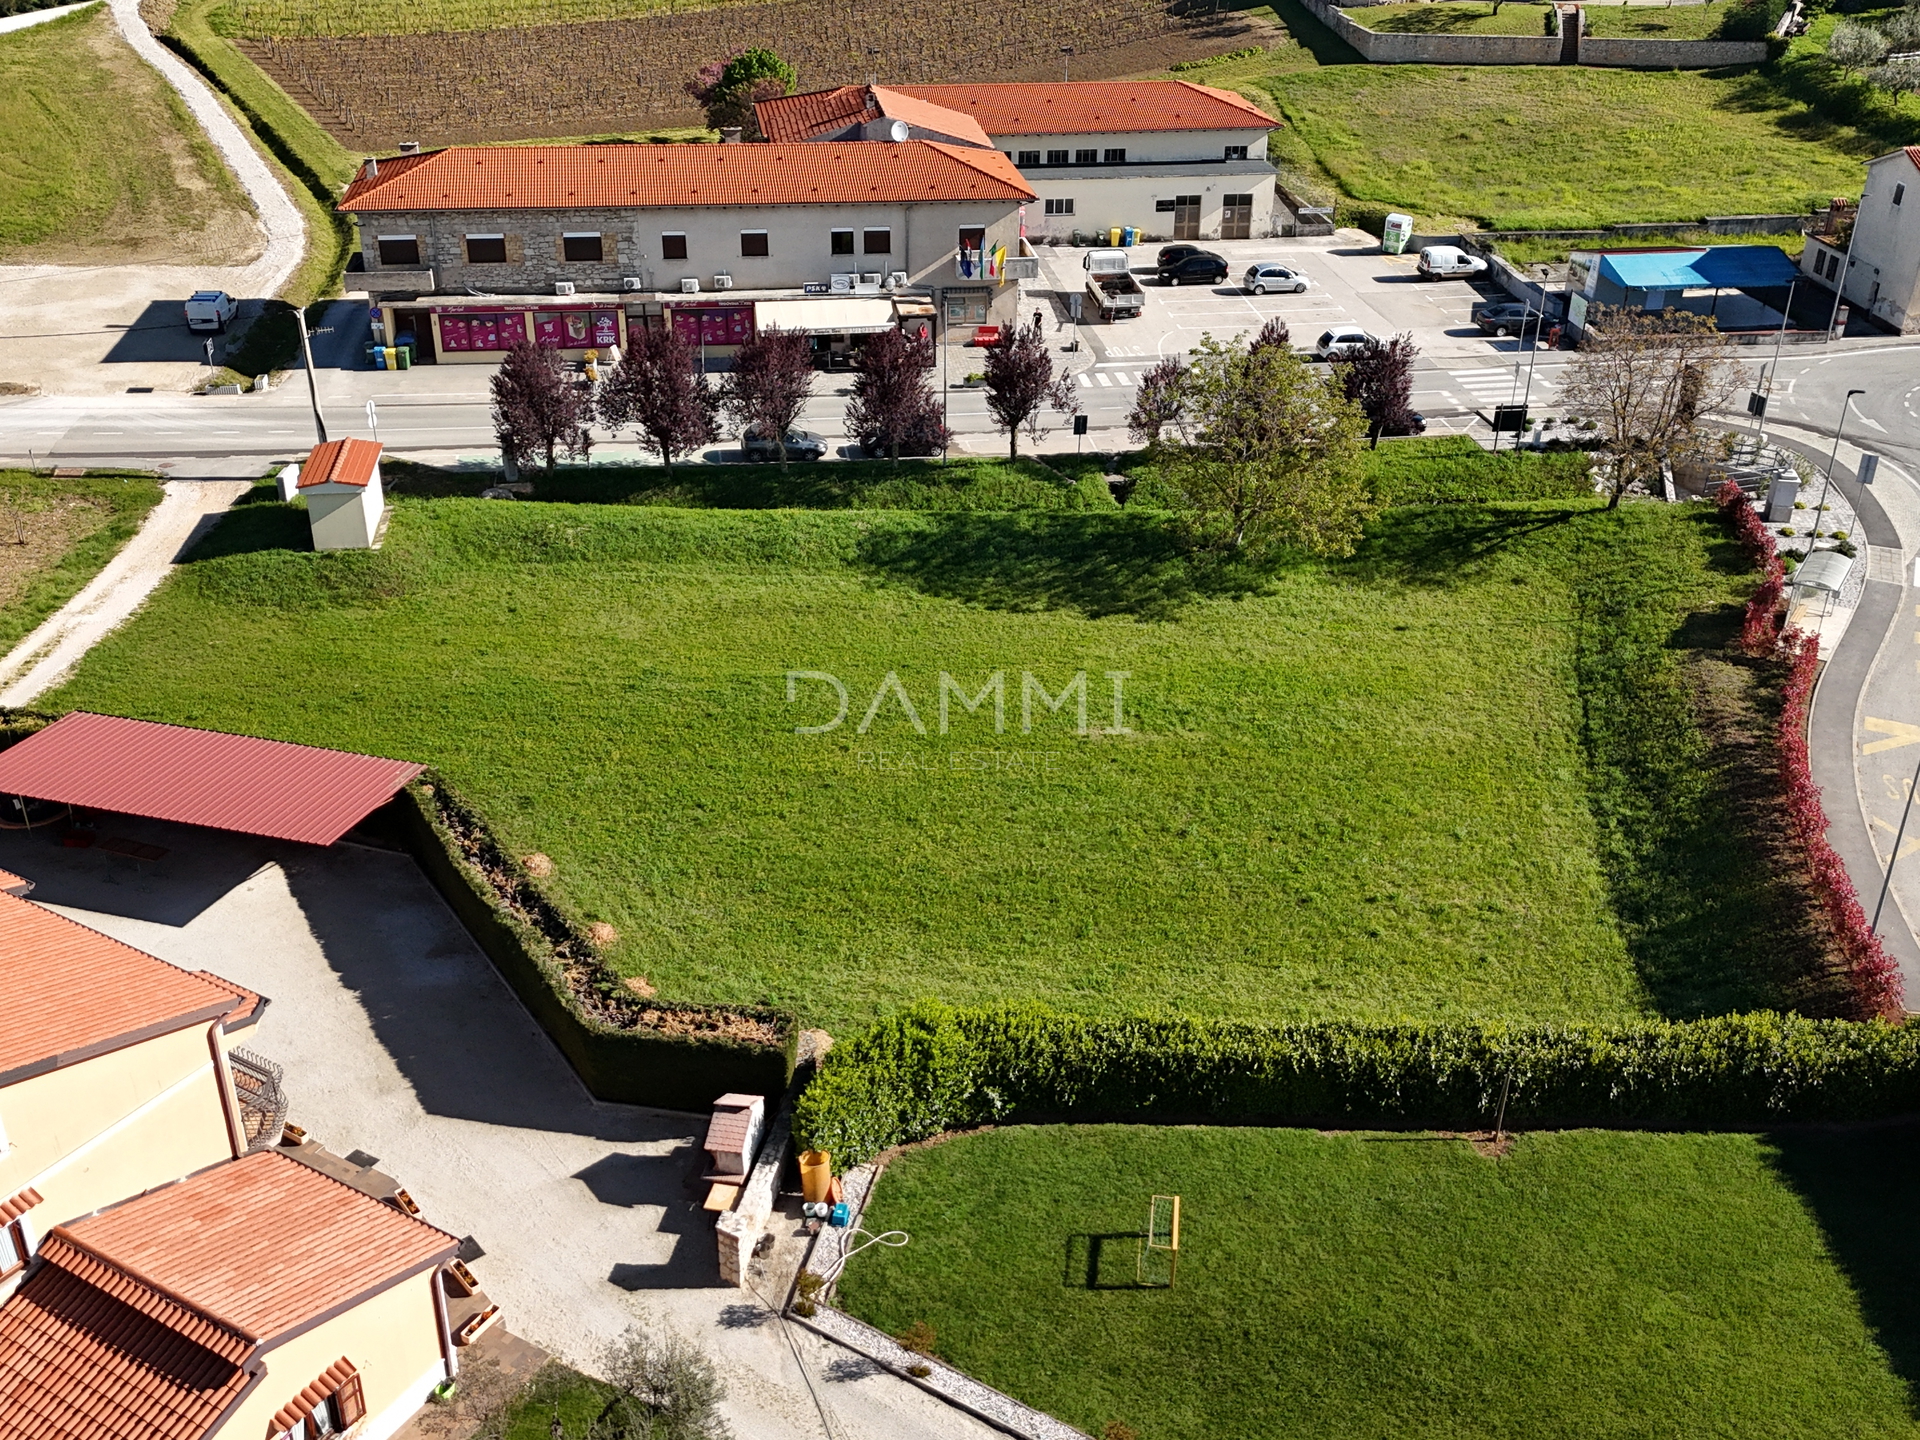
(1361, 788)
(1586, 1286)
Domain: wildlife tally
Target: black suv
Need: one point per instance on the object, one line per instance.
(1174, 254)
(1202, 267)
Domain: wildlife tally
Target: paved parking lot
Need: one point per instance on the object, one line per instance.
(1461, 376)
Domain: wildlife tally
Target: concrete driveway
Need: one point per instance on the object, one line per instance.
(399, 1039)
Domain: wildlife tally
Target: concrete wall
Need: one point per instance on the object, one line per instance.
(1107, 198)
(93, 1134)
(392, 1339)
(923, 241)
(1384, 48)
(1142, 146)
(1884, 278)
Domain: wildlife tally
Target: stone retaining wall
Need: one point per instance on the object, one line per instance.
(1381, 47)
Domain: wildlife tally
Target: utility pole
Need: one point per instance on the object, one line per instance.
(313, 390)
(1846, 267)
(1066, 63)
(1898, 835)
(1813, 541)
(1766, 380)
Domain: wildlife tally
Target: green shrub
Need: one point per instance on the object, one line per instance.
(934, 1069)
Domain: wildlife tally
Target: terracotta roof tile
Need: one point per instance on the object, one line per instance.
(85, 1351)
(341, 462)
(802, 117)
(1096, 107)
(14, 1208)
(260, 1245)
(73, 991)
(568, 177)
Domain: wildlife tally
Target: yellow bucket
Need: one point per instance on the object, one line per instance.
(816, 1174)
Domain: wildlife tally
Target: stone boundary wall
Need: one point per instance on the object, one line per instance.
(1379, 47)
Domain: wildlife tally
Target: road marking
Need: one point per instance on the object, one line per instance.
(1103, 378)
(1902, 733)
(1907, 847)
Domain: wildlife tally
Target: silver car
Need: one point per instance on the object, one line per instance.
(801, 445)
(1280, 279)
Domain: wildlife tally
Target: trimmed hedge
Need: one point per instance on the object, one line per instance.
(934, 1069)
(634, 1064)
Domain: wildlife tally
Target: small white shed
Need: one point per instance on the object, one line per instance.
(733, 1135)
(340, 482)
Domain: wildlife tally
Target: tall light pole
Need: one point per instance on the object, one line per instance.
(1846, 266)
(1813, 541)
(1766, 380)
(1898, 835)
(313, 390)
(1066, 63)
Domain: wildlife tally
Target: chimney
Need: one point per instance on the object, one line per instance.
(372, 168)
(730, 134)
(409, 147)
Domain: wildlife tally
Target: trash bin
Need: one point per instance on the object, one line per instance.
(405, 352)
(1395, 234)
(816, 1175)
(379, 356)
(1113, 236)
(1129, 236)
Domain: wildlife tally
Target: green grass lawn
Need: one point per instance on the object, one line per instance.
(1641, 22)
(1350, 788)
(1589, 1285)
(56, 534)
(101, 159)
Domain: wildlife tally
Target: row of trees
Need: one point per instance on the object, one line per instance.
(659, 394)
(1888, 54)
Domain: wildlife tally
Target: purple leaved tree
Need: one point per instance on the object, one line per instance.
(1379, 379)
(538, 410)
(771, 379)
(658, 392)
(894, 408)
(1021, 383)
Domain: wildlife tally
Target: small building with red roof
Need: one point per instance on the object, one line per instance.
(340, 481)
(261, 1298)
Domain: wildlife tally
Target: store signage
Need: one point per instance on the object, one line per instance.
(713, 324)
(482, 331)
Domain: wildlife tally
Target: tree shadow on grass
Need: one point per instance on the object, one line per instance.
(1448, 545)
(1863, 1186)
(1435, 20)
(1810, 101)
(1098, 564)
(1316, 39)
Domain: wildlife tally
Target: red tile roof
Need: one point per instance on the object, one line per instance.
(341, 462)
(260, 1245)
(1096, 107)
(201, 777)
(19, 1205)
(73, 992)
(86, 1351)
(568, 177)
(801, 117)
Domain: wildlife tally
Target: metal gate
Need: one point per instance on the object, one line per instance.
(1236, 217)
(1186, 217)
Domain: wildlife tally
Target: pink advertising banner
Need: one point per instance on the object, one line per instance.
(713, 324)
(482, 332)
(576, 329)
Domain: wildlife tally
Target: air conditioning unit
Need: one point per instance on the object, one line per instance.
(842, 284)
(631, 282)
(870, 280)
(689, 286)
(896, 279)
(563, 287)
(723, 282)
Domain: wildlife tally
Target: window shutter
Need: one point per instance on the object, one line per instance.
(351, 1400)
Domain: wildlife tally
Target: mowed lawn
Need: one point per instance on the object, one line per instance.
(1552, 147)
(1587, 1286)
(1637, 22)
(56, 534)
(101, 159)
(1345, 789)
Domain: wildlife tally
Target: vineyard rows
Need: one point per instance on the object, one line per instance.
(320, 19)
(625, 76)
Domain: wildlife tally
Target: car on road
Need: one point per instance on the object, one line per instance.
(1341, 342)
(1203, 267)
(1259, 279)
(801, 445)
(211, 310)
(1174, 254)
(1507, 318)
(1448, 262)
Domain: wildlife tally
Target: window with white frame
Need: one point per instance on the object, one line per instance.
(842, 241)
(1236, 152)
(1028, 157)
(1059, 207)
(582, 245)
(753, 242)
(399, 249)
(878, 242)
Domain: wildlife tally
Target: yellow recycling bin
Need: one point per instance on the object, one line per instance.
(1113, 236)
(816, 1174)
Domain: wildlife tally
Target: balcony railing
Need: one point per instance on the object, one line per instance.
(263, 1104)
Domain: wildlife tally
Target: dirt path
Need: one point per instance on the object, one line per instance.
(46, 657)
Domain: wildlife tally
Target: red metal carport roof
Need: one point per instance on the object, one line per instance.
(201, 777)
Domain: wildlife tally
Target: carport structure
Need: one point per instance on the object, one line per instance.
(200, 777)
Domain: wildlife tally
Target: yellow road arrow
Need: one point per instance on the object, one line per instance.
(1902, 733)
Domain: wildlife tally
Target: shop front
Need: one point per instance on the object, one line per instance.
(480, 333)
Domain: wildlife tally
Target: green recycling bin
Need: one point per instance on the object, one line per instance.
(405, 353)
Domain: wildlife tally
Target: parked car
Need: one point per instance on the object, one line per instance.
(1448, 262)
(1203, 267)
(1279, 278)
(1174, 254)
(801, 445)
(1340, 342)
(926, 438)
(1507, 318)
(211, 310)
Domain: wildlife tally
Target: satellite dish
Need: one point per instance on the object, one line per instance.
(898, 131)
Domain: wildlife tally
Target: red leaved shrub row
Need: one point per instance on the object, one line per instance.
(1871, 972)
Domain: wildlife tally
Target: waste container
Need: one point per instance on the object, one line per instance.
(1129, 236)
(379, 356)
(816, 1175)
(1395, 234)
(405, 352)
(1113, 236)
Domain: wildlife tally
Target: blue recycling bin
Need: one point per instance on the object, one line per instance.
(1129, 236)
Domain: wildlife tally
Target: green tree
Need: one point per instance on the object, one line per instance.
(1264, 447)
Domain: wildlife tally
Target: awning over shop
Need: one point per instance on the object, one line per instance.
(838, 315)
(201, 777)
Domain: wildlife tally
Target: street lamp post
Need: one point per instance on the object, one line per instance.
(1766, 380)
(1898, 835)
(313, 390)
(1813, 541)
(1066, 63)
(1846, 267)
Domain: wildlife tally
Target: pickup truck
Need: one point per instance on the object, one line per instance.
(1110, 284)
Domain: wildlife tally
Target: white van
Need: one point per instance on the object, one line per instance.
(1448, 262)
(211, 310)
